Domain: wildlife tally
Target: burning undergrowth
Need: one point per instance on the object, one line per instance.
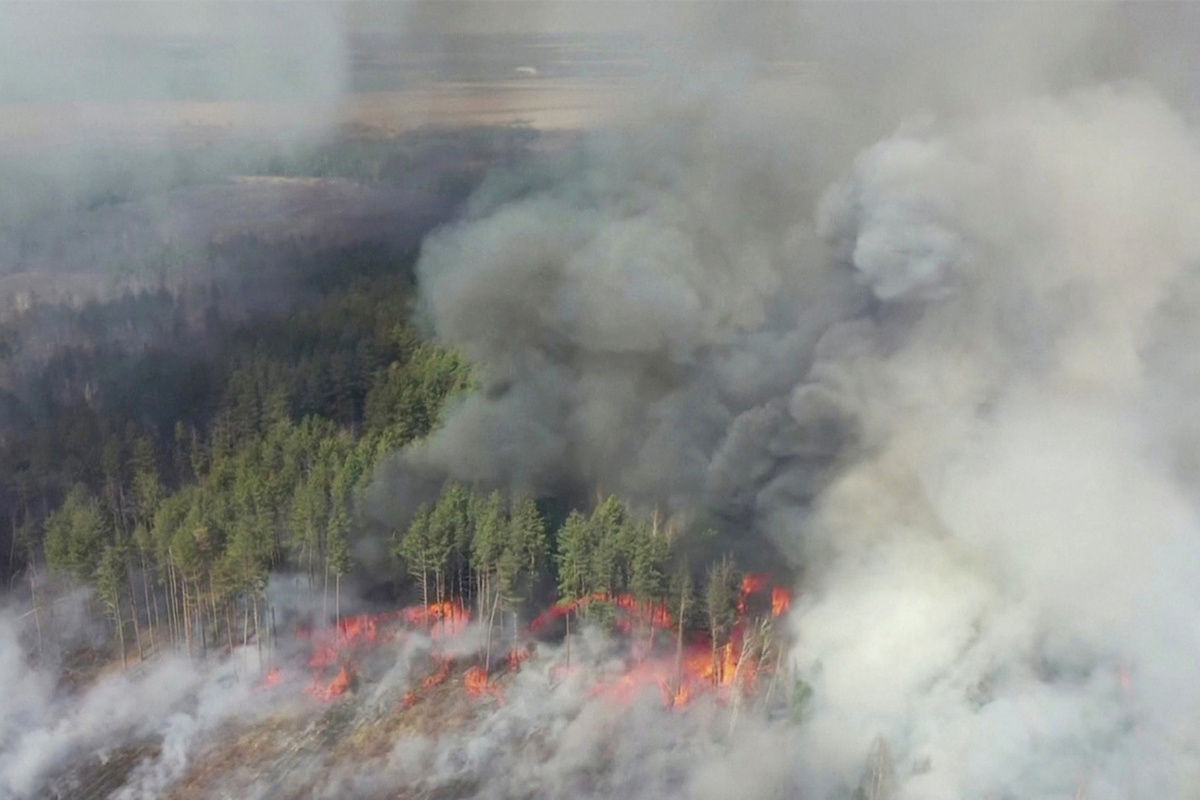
(577, 705)
(371, 704)
(954, 387)
(659, 651)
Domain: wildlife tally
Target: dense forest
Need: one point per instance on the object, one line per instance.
(171, 451)
(173, 522)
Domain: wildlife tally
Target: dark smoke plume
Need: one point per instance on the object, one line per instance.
(935, 381)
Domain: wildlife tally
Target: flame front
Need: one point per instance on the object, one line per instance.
(680, 668)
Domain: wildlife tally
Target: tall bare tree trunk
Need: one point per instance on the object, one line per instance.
(257, 629)
(440, 584)
(116, 607)
(487, 650)
(173, 605)
(187, 622)
(137, 633)
(151, 618)
(229, 625)
(212, 602)
(737, 695)
(33, 597)
(425, 591)
(679, 643)
(170, 598)
(716, 665)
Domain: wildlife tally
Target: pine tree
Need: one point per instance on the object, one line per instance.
(648, 570)
(75, 535)
(147, 492)
(682, 599)
(526, 551)
(574, 557)
(339, 556)
(109, 571)
(449, 532)
(608, 523)
(487, 543)
(414, 548)
(309, 510)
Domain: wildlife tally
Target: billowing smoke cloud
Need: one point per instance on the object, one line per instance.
(949, 385)
(946, 367)
(1000, 586)
(631, 304)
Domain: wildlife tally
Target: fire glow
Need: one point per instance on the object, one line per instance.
(697, 667)
(682, 664)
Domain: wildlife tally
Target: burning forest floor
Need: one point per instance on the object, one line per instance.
(282, 755)
(399, 704)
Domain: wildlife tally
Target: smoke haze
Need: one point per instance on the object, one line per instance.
(947, 383)
(916, 307)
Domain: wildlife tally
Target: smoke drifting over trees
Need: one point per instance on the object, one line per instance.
(905, 294)
(931, 387)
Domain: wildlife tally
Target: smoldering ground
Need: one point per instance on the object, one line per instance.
(86, 729)
(46, 727)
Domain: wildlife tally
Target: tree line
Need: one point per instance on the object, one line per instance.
(494, 553)
(178, 530)
(177, 527)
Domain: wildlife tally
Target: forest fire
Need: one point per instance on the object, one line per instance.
(682, 664)
(781, 601)
(440, 620)
(335, 688)
(698, 666)
(633, 613)
(339, 645)
(479, 684)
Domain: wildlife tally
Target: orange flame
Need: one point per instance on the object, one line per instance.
(516, 657)
(442, 620)
(680, 679)
(438, 677)
(272, 679)
(336, 688)
(336, 646)
(476, 681)
(754, 583)
(781, 601)
(654, 615)
(360, 629)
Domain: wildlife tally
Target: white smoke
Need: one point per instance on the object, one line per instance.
(955, 388)
(951, 390)
(551, 736)
(1014, 546)
(47, 729)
